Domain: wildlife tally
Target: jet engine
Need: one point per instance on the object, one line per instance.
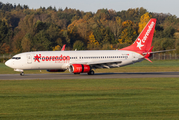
(79, 68)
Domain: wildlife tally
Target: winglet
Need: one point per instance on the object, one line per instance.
(63, 48)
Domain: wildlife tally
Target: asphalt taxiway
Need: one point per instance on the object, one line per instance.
(85, 76)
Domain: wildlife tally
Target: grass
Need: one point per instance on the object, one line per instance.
(144, 66)
(97, 99)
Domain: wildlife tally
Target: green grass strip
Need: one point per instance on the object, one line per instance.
(97, 99)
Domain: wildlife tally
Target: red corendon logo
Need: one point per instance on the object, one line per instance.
(145, 37)
(37, 57)
(57, 59)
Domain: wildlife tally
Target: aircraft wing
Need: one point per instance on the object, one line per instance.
(102, 64)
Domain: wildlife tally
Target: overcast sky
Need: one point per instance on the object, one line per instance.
(159, 6)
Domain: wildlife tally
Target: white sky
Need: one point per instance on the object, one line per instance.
(159, 6)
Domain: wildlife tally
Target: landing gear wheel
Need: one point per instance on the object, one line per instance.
(22, 73)
(91, 72)
(76, 73)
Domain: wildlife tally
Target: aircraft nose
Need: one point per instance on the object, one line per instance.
(8, 63)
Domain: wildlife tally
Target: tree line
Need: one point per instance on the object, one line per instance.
(23, 29)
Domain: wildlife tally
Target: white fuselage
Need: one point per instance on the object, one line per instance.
(41, 60)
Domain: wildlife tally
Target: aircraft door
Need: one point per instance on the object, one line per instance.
(29, 59)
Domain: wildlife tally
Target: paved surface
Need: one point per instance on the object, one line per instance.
(85, 76)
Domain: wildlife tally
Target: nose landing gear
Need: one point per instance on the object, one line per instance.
(22, 74)
(20, 70)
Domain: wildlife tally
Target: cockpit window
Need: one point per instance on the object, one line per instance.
(16, 58)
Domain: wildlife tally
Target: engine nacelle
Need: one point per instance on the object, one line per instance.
(79, 68)
(59, 70)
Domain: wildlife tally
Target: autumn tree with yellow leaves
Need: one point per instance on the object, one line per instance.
(92, 42)
(129, 34)
(143, 21)
(57, 48)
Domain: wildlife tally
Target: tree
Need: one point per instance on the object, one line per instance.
(5, 48)
(39, 26)
(88, 16)
(57, 48)
(3, 32)
(107, 46)
(142, 11)
(79, 45)
(116, 28)
(157, 44)
(143, 21)
(169, 32)
(92, 42)
(5, 35)
(41, 41)
(127, 23)
(168, 43)
(128, 35)
(26, 43)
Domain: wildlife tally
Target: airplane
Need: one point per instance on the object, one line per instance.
(86, 61)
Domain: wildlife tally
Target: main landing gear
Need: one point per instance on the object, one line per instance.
(22, 74)
(91, 72)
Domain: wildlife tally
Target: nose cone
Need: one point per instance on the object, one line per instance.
(8, 63)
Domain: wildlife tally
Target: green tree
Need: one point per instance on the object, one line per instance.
(41, 41)
(26, 43)
(5, 35)
(169, 32)
(157, 44)
(79, 45)
(107, 46)
(168, 43)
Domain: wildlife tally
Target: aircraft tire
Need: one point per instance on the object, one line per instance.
(91, 72)
(22, 73)
(76, 73)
